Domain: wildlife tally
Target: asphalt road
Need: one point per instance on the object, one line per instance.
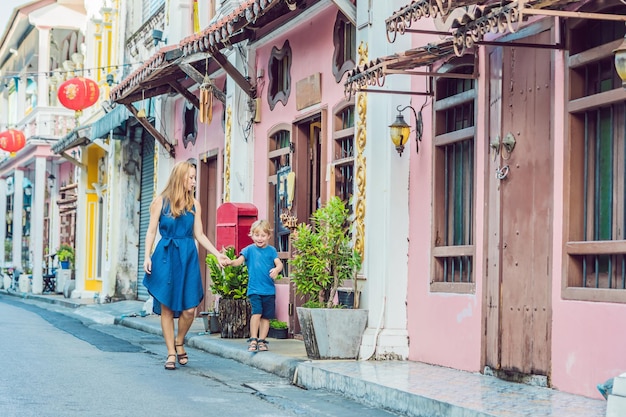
(59, 366)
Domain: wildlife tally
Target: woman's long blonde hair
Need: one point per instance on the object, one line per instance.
(180, 199)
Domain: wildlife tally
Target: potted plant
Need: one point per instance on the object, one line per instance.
(323, 258)
(278, 329)
(65, 254)
(231, 284)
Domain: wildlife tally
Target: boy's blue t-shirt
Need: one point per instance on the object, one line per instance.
(259, 262)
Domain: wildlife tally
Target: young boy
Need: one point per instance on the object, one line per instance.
(263, 268)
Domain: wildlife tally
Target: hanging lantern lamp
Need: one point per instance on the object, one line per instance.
(78, 93)
(12, 140)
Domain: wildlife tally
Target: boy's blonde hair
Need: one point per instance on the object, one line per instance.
(262, 225)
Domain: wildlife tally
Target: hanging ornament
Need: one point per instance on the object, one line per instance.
(12, 140)
(206, 100)
(78, 93)
(206, 96)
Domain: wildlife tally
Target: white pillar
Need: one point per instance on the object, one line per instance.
(54, 239)
(44, 66)
(3, 218)
(18, 208)
(36, 219)
(80, 242)
(387, 195)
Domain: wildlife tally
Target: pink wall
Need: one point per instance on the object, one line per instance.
(588, 341)
(310, 55)
(444, 328)
(209, 137)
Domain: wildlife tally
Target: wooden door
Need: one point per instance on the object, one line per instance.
(309, 160)
(520, 195)
(207, 196)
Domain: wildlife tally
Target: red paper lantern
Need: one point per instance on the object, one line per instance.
(78, 93)
(12, 140)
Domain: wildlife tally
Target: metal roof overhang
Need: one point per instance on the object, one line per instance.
(373, 73)
(77, 137)
(464, 23)
(178, 68)
(112, 123)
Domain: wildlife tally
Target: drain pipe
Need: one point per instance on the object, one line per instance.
(378, 329)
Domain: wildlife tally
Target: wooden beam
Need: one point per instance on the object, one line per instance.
(195, 75)
(73, 160)
(186, 93)
(348, 9)
(141, 95)
(242, 82)
(152, 130)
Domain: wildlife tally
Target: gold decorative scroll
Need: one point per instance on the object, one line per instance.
(227, 148)
(360, 162)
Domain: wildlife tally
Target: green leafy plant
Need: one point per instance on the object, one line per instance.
(66, 253)
(277, 324)
(324, 256)
(230, 281)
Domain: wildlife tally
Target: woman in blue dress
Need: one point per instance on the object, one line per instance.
(173, 270)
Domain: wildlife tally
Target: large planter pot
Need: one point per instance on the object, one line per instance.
(6, 281)
(278, 333)
(24, 283)
(332, 333)
(211, 321)
(62, 276)
(65, 264)
(234, 318)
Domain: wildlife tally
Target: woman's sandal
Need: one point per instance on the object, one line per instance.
(182, 356)
(170, 365)
(252, 344)
(262, 345)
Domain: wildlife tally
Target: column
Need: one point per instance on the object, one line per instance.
(3, 219)
(37, 229)
(43, 63)
(387, 196)
(18, 208)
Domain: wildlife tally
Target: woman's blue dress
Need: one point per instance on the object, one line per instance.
(175, 280)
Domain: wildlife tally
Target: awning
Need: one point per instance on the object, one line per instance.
(113, 122)
(463, 24)
(373, 73)
(176, 68)
(77, 137)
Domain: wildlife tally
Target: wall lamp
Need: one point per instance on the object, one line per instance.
(157, 36)
(620, 61)
(51, 180)
(110, 79)
(400, 130)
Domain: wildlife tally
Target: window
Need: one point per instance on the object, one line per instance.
(279, 68)
(343, 152)
(596, 235)
(344, 39)
(279, 156)
(453, 246)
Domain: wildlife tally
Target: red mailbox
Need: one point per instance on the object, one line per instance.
(233, 225)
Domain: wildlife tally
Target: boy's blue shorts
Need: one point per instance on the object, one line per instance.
(263, 305)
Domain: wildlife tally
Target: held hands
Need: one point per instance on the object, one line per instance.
(223, 260)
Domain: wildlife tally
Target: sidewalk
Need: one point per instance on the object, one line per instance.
(409, 388)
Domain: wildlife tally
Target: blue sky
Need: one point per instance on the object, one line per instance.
(9, 5)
